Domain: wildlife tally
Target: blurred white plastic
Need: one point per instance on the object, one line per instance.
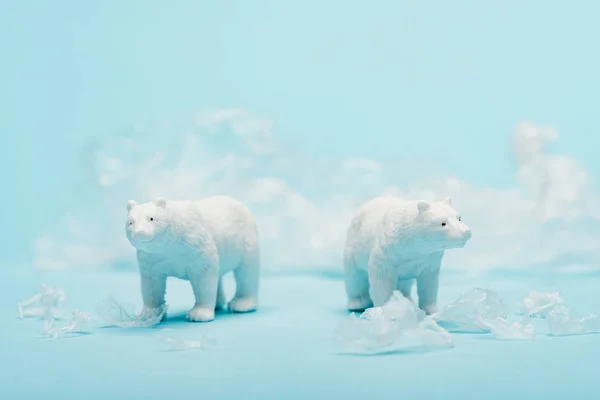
(43, 304)
(124, 316)
(382, 328)
(78, 323)
(561, 321)
(471, 308)
(539, 304)
(177, 343)
(522, 329)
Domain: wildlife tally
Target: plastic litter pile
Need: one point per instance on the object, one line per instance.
(472, 310)
(397, 323)
(384, 328)
(539, 304)
(561, 321)
(46, 305)
(124, 316)
(483, 309)
(78, 323)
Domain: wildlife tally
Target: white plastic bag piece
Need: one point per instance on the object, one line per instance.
(124, 316)
(471, 308)
(561, 321)
(539, 304)
(43, 304)
(522, 329)
(78, 323)
(382, 328)
(177, 343)
(433, 335)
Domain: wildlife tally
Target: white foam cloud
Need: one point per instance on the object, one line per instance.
(303, 205)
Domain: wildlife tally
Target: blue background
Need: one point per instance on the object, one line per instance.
(442, 81)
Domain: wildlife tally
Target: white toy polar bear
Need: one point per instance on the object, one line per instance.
(391, 242)
(199, 241)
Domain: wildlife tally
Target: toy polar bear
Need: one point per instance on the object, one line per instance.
(391, 242)
(199, 241)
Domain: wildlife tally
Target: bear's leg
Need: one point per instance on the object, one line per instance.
(153, 291)
(383, 278)
(357, 289)
(205, 283)
(247, 276)
(381, 287)
(221, 298)
(405, 287)
(427, 286)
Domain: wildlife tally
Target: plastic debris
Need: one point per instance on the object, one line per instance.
(539, 304)
(522, 329)
(471, 309)
(177, 343)
(561, 321)
(381, 329)
(384, 328)
(43, 304)
(124, 316)
(78, 322)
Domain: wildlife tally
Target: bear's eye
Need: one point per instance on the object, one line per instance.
(131, 223)
(459, 219)
(151, 218)
(443, 224)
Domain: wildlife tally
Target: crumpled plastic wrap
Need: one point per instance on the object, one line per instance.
(522, 329)
(44, 304)
(124, 316)
(78, 323)
(539, 304)
(562, 321)
(472, 310)
(482, 309)
(398, 323)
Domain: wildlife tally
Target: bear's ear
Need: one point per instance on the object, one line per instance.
(160, 202)
(423, 206)
(447, 200)
(131, 204)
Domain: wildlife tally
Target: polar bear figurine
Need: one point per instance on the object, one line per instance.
(198, 241)
(391, 242)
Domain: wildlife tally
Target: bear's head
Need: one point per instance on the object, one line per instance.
(440, 226)
(147, 224)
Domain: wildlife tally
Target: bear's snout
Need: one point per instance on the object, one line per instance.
(140, 235)
(467, 233)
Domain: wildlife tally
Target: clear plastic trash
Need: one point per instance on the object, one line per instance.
(124, 316)
(470, 309)
(396, 324)
(177, 343)
(78, 323)
(44, 304)
(539, 304)
(522, 329)
(562, 321)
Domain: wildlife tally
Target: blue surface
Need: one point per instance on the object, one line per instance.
(284, 350)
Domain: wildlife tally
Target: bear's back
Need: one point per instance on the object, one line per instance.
(231, 226)
(367, 222)
(372, 213)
